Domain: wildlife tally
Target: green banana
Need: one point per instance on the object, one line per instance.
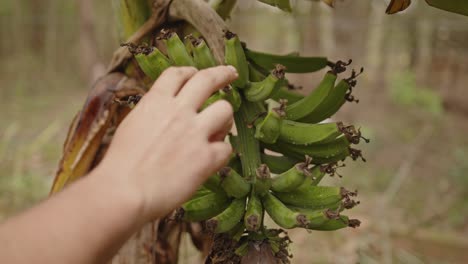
(151, 61)
(326, 150)
(316, 175)
(278, 164)
(281, 214)
(235, 56)
(204, 207)
(293, 178)
(259, 91)
(176, 49)
(454, 6)
(219, 95)
(229, 94)
(227, 219)
(309, 103)
(334, 224)
(263, 180)
(284, 93)
(254, 214)
(284, 5)
(233, 96)
(255, 74)
(213, 183)
(268, 129)
(233, 183)
(288, 151)
(293, 63)
(202, 55)
(202, 191)
(327, 220)
(297, 133)
(235, 163)
(334, 101)
(314, 197)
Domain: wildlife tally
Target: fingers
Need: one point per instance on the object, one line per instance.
(172, 80)
(221, 134)
(221, 153)
(204, 83)
(216, 118)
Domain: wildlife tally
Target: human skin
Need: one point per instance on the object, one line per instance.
(161, 153)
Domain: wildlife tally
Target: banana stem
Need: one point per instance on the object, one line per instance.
(223, 7)
(130, 16)
(249, 147)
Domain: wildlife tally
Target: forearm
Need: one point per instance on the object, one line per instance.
(86, 223)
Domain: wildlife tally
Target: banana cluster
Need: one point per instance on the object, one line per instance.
(283, 150)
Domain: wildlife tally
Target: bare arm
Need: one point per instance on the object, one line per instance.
(159, 156)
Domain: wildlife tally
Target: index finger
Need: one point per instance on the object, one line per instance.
(204, 83)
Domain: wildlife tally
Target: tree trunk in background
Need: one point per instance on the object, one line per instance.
(37, 28)
(375, 41)
(326, 30)
(90, 66)
(424, 46)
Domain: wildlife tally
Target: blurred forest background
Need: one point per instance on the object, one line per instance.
(413, 105)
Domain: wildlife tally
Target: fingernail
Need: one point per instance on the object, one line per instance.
(233, 69)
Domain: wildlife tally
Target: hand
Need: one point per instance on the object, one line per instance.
(164, 149)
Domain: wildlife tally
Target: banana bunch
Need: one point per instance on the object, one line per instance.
(283, 148)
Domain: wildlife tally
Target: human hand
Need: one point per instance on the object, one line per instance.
(164, 149)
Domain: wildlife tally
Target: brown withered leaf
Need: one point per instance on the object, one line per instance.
(91, 125)
(396, 6)
(331, 3)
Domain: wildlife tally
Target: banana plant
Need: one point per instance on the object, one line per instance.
(282, 147)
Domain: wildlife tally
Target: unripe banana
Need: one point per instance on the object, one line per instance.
(316, 175)
(334, 101)
(151, 61)
(237, 231)
(314, 197)
(325, 150)
(176, 49)
(254, 214)
(219, 95)
(204, 207)
(293, 63)
(306, 134)
(213, 183)
(235, 56)
(309, 103)
(334, 224)
(293, 178)
(292, 152)
(268, 129)
(233, 183)
(284, 93)
(278, 164)
(327, 220)
(233, 96)
(256, 74)
(281, 214)
(202, 54)
(227, 219)
(263, 180)
(259, 91)
(202, 191)
(229, 94)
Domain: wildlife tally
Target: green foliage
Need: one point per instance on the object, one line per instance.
(404, 90)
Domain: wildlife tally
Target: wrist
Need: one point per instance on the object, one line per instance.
(120, 194)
